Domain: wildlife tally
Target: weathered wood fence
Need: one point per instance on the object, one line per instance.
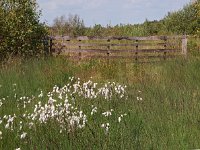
(135, 48)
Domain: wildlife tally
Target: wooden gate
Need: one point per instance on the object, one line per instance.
(133, 48)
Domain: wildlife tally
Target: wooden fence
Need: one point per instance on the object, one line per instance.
(134, 48)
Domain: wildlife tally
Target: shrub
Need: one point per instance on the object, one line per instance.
(20, 28)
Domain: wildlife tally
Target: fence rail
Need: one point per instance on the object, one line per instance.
(121, 51)
(82, 38)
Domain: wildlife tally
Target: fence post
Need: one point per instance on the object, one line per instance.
(68, 47)
(136, 53)
(108, 53)
(165, 47)
(79, 54)
(184, 45)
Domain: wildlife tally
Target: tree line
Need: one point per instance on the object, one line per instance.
(184, 21)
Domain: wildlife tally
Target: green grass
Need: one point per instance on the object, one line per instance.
(167, 117)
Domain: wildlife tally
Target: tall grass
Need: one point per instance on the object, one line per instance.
(162, 106)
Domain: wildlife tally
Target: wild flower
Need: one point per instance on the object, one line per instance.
(10, 121)
(23, 135)
(41, 94)
(1, 103)
(0, 135)
(108, 113)
(106, 127)
(5, 117)
(7, 126)
(139, 98)
(20, 126)
(31, 125)
(94, 110)
(62, 107)
(120, 117)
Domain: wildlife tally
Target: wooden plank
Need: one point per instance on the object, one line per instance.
(57, 37)
(154, 38)
(125, 57)
(141, 61)
(120, 51)
(110, 44)
(149, 38)
(63, 38)
(82, 38)
(184, 46)
(66, 38)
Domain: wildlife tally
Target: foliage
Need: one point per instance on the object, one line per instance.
(20, 28)
(152, 27)
(60, 25)
(96, 31)
(183, 21)
(72, 26)
(197, 7)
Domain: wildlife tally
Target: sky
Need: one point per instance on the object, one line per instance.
(109, 11)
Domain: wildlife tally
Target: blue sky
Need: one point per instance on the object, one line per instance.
(109, 11)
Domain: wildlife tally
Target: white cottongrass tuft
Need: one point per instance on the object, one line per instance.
(41, 94)
(23, 135)
(106, 127)
(61, 107)
(139, 98)
(0, 135)
(108, 113)
(94, 110)
(120, 117)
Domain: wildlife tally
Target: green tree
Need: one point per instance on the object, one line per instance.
(71, 26)
(196, 5)
(96, 31)
(183, 21)
(21, 30)
(60, 25)
(152, 27)
(77, 25)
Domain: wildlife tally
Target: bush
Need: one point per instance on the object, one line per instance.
(20, 28)
(184, 21)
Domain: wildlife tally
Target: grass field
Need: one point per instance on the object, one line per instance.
(44, 105)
